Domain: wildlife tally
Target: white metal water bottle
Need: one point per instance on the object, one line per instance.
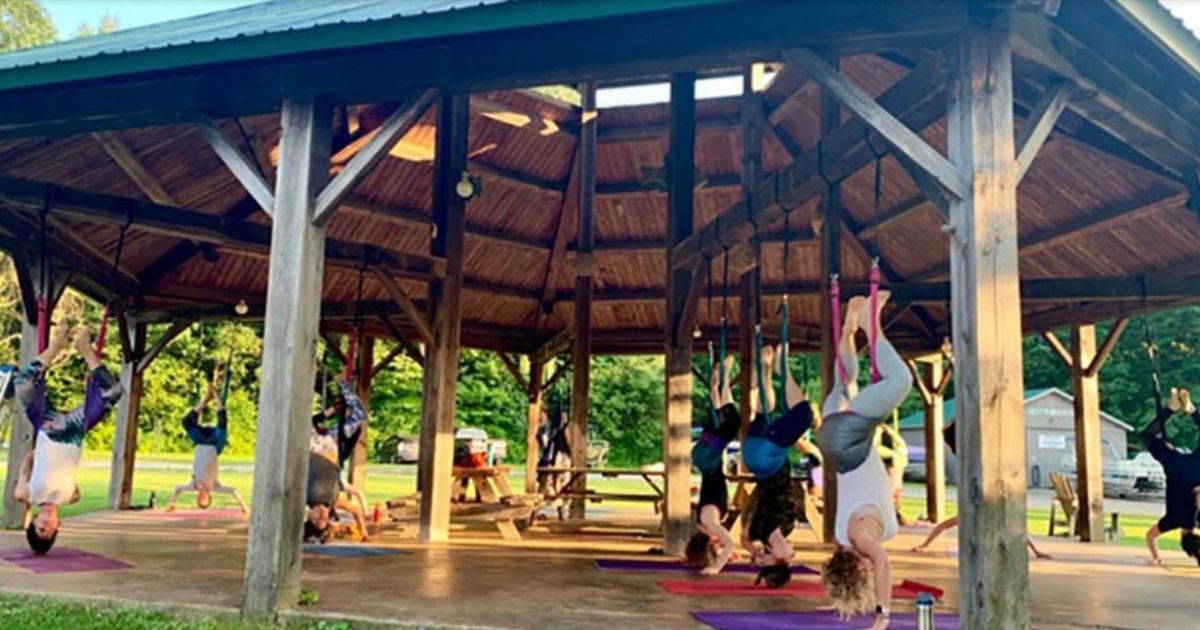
(925, 612)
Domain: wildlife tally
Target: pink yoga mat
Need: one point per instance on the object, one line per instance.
(61, 560)
(196, 515)
(675, 566)
(796, 588)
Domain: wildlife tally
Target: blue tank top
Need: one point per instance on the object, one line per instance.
(763, 457)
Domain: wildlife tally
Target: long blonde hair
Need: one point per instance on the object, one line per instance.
(848, 583)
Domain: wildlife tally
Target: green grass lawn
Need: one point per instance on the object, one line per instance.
(386, 481)
(43, 612)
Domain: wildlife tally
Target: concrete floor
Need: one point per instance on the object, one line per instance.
(548, 580)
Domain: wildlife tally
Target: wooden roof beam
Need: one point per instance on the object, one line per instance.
(193, 225)
(375, 150)
(554, 346)
(904, 140)
(239, 165)
(1040, 123)
(916, 99)
(410, 310)
(124, 157)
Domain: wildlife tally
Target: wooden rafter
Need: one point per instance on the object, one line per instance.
(558, 250)
(917, 99)
(141, 176)
(243, 169)
(903, 139)
(410, 310)
(1106, 348)
(1040, 123)
(375, 149)
(176, 329)
(514, 369)
(333, 345)
(554, 346)
(402, 339)
(1059, 349)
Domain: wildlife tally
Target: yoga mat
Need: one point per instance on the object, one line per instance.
(353, 551)
(618, 564)
(815, 620)
(61, 560)
(796, 588)
(198, 515)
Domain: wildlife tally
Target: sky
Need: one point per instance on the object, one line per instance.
(67, 15)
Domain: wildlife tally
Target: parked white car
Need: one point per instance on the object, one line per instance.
(1120, 475)
(1150, 473)
(408, 450)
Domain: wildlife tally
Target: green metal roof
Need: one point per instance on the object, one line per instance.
(287, 27)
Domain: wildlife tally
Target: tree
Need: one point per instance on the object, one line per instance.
(24, 23)
(107, 24)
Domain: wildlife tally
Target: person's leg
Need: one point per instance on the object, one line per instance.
(940, 529)
(895, 381)
(845, 390)
(763, 382)
(103, 391)
(231, 491)
(786, 431)
(793, 395)
(1152, 543)
(179, 490)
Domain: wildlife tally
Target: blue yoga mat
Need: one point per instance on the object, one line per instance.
(352, 551)
(620, 564)
(815, 620)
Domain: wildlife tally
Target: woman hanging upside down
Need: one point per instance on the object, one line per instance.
(711, 548)
(771, 510)
(866, 515)
(1182, 469)
(47, 476)
(345, 418)
(324, 491)
(209, 442)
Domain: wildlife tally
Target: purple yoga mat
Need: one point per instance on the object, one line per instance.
(618, 564)
(61, 560)
(815, 620)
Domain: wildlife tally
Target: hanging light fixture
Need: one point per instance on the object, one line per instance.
(241, 308)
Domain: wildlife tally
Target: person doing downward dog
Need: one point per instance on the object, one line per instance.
(208, 442)
(711, 548)
(1182, 469)
(47, 478)
(771, 510)
(866, 515)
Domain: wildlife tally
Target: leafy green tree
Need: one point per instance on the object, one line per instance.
(24, 23)
(107, 24)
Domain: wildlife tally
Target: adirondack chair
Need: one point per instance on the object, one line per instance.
(1066, 500)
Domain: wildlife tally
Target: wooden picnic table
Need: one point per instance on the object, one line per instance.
(573, 474)
(492, 499)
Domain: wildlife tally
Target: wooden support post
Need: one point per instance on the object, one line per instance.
(677, 440)
(986, 304)
(581, 352)
(831, 264)
(289, 361)
(1089, 478)
(750, 303)
(125, 436)
(533, 422)
(364, 373)
(20, 437)
(935, 443)
(445, 300)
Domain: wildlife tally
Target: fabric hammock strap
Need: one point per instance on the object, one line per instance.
(43, 304)
(873, 337)
(102, 336)
(225, 384)
(835, 298)
(1155, 373)
(352, 349)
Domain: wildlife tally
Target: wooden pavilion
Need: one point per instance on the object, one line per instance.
(271, 155)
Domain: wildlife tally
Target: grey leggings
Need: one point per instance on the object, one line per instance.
(851, 417)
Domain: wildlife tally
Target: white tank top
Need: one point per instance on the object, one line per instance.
(55, 465)
(866, 486)
(204, 466)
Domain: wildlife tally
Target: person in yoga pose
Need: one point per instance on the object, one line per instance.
(866, 515)
(325, 489)
(345, 419)
(1182, 469)
(770, 514)
(47, 478)
(208, 443)
(950, 435)
(711, 547)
